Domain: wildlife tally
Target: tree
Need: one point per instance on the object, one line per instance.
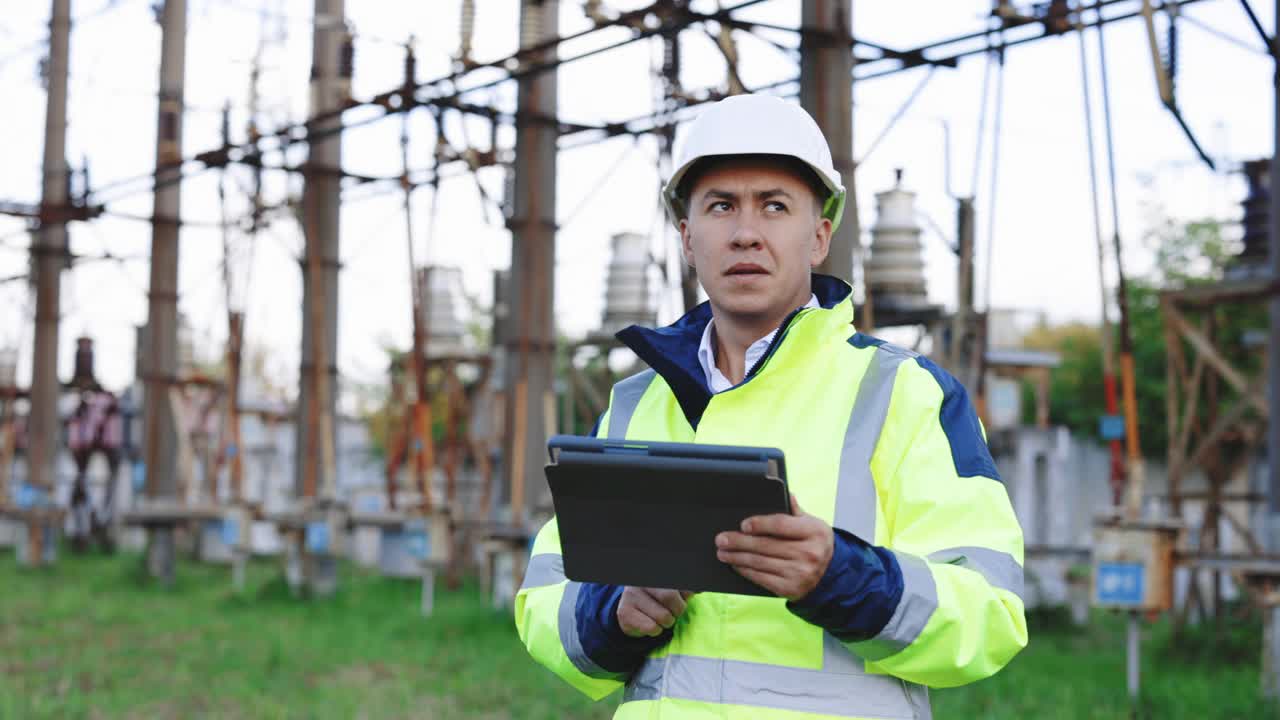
(1187, 254)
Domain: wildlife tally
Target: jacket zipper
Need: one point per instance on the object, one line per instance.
(773, 347)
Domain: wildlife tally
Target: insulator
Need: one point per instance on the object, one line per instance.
(85, 186)
(226, 124)
(82, 376)
(530, 23)
(8, 366)
(896, 265)
(671, 59)
(410, 66)
(467, 21)
(347, 57)
(443, 314)
(1257, 210)
(508, 191)
(627, 299)
(1171, 50)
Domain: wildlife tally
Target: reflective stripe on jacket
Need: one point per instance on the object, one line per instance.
(880, 444)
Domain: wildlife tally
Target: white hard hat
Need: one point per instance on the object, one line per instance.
(756, 125)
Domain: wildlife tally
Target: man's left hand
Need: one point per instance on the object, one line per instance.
(785, 554)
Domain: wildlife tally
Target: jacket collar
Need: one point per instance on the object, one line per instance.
(672, 351)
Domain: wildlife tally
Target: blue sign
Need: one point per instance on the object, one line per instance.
(230, 531)
(419, 543)
(1120, 583)
(30, 496)
(1111, 427)
(317, 538)
(139, 477)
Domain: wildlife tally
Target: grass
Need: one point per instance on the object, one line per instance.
(92, 637)
(1069, 673)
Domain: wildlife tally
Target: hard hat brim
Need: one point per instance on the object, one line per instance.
(833, 207)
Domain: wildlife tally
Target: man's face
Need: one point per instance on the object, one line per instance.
(753, 235)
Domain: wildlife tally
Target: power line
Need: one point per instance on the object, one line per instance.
(405, 97)
(897, 116)
(109, 6)
(400, 100)
(1224, 36)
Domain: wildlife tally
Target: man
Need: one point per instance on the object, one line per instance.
(901, 565)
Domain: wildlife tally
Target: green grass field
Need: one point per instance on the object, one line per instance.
(92, 638)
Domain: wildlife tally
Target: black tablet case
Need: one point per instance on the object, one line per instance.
(647, 514)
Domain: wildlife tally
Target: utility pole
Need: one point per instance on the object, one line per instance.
(49, 254)
(531, 342)
(330, 88)
(964, 346)
(826, 91)
(313, 553)
(673, 93)
(159, 424)
(1273, 337)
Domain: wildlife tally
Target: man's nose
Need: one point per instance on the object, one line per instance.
(746, 236)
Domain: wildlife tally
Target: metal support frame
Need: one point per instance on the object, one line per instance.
(1199, 435)
(441, 380)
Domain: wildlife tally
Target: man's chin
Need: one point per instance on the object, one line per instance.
(744, 305)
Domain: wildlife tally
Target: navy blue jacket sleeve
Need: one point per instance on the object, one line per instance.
(602, 638)
(857, 595)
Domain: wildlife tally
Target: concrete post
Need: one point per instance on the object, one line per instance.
(531, 340)
(320, 201)
(159, 430)
(826, 91)
(1273, 337)
(49, 254)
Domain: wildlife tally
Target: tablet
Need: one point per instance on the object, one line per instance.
(647, 513)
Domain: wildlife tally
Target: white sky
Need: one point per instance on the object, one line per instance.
(1044, 260)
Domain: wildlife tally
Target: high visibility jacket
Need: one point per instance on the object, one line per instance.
(924, 587)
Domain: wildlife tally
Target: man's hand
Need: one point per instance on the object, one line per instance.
(785, 554)
(646, 612)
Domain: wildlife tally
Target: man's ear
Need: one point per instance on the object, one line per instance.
(821, 242)
(686, 242)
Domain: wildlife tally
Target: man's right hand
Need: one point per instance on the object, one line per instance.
(646, 612)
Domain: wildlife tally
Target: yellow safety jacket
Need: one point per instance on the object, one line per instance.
(924, 588)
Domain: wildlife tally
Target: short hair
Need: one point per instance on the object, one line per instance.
(797, 167)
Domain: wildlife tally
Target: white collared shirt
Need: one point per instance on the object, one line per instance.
(716, 380)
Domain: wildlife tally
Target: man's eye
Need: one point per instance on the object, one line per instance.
(775, 206)
(720, 206)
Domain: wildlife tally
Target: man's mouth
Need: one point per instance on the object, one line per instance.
(746, 269)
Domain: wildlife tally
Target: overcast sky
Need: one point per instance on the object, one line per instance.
(1041, 229)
